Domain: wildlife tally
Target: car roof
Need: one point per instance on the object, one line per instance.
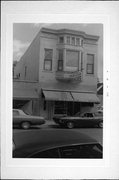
(34, 140)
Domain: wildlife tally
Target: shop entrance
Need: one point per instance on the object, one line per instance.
(69, 108)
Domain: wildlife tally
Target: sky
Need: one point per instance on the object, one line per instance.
(24, 33)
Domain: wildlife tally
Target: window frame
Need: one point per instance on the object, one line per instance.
(73, 44)
(60, 60)
(47, 60)
(61, 42)
(68, 38)
(90, 64)
(72, 68)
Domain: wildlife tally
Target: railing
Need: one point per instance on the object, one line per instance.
(69, 76)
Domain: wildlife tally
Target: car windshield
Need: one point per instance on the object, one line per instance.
(19, 112)
(77, 151)
(77, 114)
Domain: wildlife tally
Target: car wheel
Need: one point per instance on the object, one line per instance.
(25, 125)
(100, 124)
(70, 125)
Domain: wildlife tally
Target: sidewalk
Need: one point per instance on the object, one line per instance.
(48, 123)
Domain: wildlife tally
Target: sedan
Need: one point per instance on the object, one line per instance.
(50, 143)
(86, 119)
(25, 121)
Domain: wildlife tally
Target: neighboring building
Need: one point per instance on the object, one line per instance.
(14, 65)
(100, 92)
(64, 65)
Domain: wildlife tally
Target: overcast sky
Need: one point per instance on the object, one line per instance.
(24, 33)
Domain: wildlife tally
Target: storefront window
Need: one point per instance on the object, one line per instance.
(60, 107)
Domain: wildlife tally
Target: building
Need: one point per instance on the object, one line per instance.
(100, 92)
(63, 64)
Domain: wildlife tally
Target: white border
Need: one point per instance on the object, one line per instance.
(12, 168)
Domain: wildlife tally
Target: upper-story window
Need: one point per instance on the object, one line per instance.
(61, 39)
(81, 61)
(48, 59)
(90, 63)
(73, 40)
(60, 59)
(72, 60)
(68, 39)
(78, 41)
(81, 42)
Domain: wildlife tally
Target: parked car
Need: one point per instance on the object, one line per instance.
(86, 119)
(100, 110)
(25, 121)
(52, 143)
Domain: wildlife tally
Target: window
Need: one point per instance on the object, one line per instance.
(68, 39)
(81, 61)
(77, 41)
(25, 70)
(74, 151)
(73, 40)
(60, 59)
(51, 153)
(61, 40)
(72, 60)
(48, 59)
(60, 107)
(81, 42)
(90, 63)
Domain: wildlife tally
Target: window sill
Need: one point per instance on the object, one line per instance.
(47, 71)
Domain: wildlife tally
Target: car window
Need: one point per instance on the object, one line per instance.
(84, 115)
(15, 113)
(77, 151)
(51, 153)
(89, 115)
(81, 151)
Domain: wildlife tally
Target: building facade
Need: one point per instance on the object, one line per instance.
(63, 63)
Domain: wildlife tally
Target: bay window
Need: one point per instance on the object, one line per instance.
(72, 60)
(60, 59)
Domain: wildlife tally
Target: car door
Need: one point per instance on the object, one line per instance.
(16, 117)
(87, 119)
(82, 119)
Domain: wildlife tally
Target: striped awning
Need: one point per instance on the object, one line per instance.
(51, 95)
(85, 97)
(57, 95)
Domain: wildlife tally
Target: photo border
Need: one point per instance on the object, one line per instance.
(13, 167)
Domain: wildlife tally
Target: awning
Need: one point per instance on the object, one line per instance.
(51, 95)
(85, 97)
(24, 94)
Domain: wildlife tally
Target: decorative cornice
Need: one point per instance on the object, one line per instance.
(69, 32)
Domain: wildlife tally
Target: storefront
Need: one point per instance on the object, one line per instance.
(67, 102)
(26, 99)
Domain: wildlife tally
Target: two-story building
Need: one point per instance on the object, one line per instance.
(63, 63)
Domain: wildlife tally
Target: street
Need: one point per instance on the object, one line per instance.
(96, 133)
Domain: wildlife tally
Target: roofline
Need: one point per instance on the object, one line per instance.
(69, 31)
